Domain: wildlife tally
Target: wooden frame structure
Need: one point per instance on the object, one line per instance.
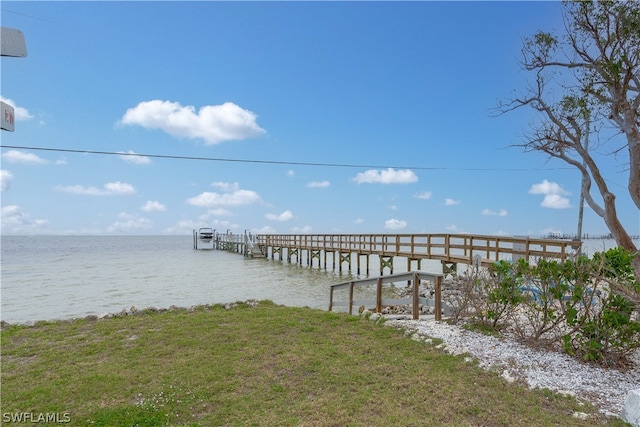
(412, 277)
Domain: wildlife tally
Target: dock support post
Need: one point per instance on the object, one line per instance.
(438, 297)
(345, 258)
(386, 261)
(315, 254)
(330, 298)
(379, 295)
(409, 262)
(449, 268)
(351, 286)
(416, 297)
(291, 252)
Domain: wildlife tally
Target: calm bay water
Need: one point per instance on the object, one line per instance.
(63, 277)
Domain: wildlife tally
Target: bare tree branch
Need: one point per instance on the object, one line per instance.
(600, 53)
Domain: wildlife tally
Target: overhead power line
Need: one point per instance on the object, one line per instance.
(268, 162)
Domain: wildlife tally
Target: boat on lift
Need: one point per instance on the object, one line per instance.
(205, 233)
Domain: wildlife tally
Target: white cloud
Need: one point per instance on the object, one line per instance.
(290, 173)
(553, 195)
(10, 211)
(226, 186)
(555, 201)
(223, 225)
(267, 229)
(395, 224)
(80, 189)
(318, 184)
(236, 198)
(109, 189)
(128, 223)
(284, 216)
(212, 123)
(183, 226)
(153, 206)
(502, 212)
(15, 221)
(302, 230)
(393, 207)
(16, 156)
(214, 213)
(451, 202)
(359, 221)
(389, 176)
(452, 227)
(425, 195)
(119, 188)
(6, 178)
(547, 187)
(20, 112)
(132, 157)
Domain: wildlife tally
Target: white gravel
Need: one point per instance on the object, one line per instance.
(604, 388)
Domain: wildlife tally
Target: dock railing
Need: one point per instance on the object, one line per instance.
(450, 248)
(414, 277)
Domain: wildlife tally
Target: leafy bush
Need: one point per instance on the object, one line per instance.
(587, 306)
(610, 333)
(486, 298)
(503, 293)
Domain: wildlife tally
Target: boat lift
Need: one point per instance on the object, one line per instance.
(204, 238)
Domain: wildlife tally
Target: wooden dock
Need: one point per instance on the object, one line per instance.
(343, 249)
(449, 249)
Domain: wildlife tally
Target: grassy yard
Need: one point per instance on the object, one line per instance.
(266, 365)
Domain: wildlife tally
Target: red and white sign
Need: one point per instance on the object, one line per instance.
(8, 117)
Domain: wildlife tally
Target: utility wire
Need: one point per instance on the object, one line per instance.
(268, 162)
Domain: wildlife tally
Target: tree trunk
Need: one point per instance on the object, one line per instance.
(634, 170)
(618, 232)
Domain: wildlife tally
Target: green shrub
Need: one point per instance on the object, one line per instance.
(586, 305)
(610, 332)
(504, 293)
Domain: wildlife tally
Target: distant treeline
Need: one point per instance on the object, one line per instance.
(568, 236)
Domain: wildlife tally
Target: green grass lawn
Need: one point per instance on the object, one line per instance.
(266, 365)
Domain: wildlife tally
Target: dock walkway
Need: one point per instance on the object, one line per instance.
(342, 249)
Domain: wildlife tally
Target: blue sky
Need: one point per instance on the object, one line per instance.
(284, 95)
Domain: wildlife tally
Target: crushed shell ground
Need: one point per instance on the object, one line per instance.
(606, 389)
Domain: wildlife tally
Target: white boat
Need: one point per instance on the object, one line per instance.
(205, 233)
